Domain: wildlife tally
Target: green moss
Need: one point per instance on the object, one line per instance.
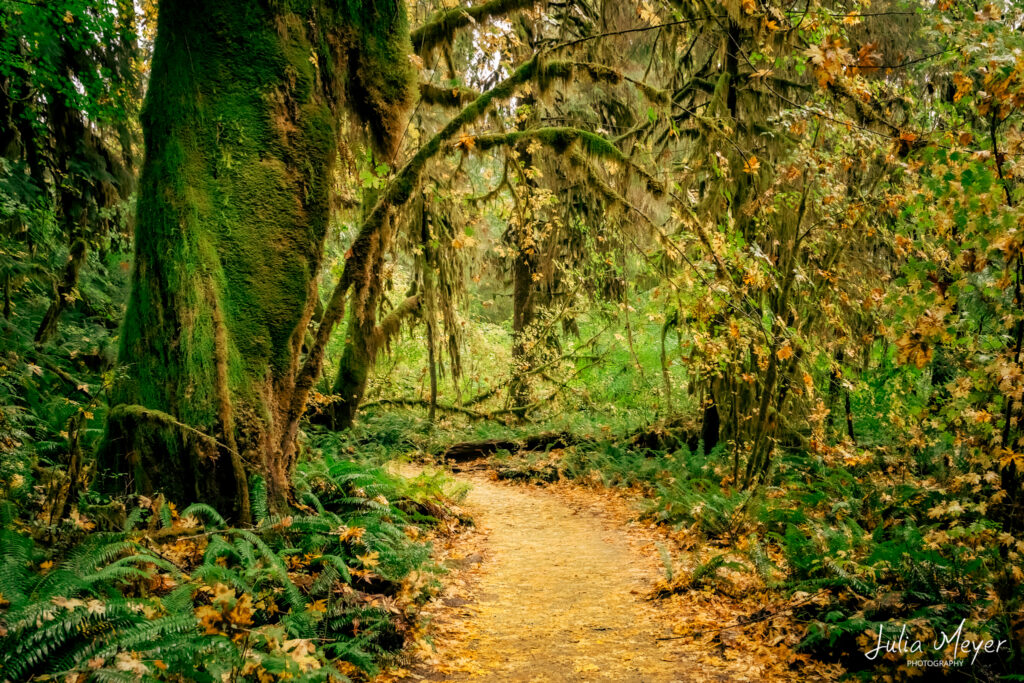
(443, 24)
(382, 79)
(241, 137)
(448, 97)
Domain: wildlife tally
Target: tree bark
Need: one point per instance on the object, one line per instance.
(61, 291)
(359, 357)
(241, 134)
(472, 450)
(522, 317)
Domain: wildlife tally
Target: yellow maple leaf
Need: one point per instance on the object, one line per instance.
(751, 165)
(350, 533)
(1009, 457)
(370, 559)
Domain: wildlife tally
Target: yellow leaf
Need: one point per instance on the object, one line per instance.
(350, 533)
(370, 559)
(751, 165)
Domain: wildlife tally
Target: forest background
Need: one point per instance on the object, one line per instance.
(759, 263)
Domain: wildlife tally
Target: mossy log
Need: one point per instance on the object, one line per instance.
(667, 435)
(474, 450)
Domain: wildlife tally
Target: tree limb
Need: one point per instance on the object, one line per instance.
(441, 25)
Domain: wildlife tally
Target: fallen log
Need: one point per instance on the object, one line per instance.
(421, 403)
(474, 450)
(667, 435)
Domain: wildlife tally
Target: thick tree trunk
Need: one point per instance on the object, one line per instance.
(241, 133)
(712, 420)
(360, 339)
(353, 373)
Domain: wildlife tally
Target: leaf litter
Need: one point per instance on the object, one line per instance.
(558, 583)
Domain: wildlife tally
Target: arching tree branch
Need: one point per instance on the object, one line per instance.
(401, 187)
(443, 24)
(560, 138)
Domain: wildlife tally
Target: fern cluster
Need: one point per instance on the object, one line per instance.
(320, 596)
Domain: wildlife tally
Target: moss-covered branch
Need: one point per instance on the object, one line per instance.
(401, 187)
(547, 73)
(392, 322)
(561, 138)
(573, 70)
(441, 26)
(62, 292)
(446, 97)
(397, 192)
(127, 411)
(422, 403)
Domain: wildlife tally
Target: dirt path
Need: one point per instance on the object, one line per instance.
(553, 585)
(558, 596)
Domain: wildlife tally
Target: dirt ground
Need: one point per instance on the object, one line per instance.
(554, 585)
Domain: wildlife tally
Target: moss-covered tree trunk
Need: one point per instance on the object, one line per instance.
(241, 129)
(353, 372)
(363, 342)
(363, 336)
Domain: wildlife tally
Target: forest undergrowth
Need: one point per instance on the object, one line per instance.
(136, 589)
(836, 549)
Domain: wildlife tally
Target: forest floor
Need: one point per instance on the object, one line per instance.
(554, 583)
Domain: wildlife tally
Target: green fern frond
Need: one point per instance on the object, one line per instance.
(206, 512)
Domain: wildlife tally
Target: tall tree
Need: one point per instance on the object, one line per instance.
(241, 124)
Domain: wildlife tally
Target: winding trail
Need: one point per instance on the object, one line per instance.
(557, 595)
(552, 585)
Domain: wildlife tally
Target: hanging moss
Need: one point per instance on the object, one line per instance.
(401, 187)
(448, 97)
(560, 138)
(442, 25)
